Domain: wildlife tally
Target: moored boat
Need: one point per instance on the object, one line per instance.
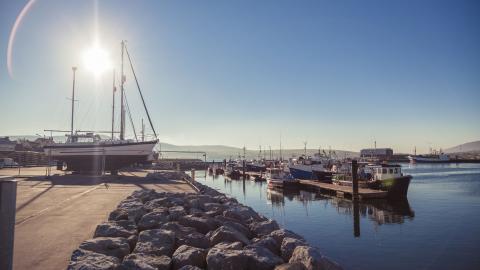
(279, 178)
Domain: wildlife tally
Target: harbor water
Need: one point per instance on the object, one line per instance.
(438, 227)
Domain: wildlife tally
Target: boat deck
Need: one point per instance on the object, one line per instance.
(342, 191)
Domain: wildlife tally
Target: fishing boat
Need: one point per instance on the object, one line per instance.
(386, 177)
(256, 166)
(87, 151)
(310, 168)
(279, 178)
(432, 158)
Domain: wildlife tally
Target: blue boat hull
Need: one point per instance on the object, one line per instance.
(301, 174)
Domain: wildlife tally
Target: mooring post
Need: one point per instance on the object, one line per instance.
(8, 198)
(244, 169)
(354, 180)
(193, 174)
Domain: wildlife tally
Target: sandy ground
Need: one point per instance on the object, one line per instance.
(55, 215)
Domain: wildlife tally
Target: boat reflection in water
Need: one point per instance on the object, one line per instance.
(379, 211)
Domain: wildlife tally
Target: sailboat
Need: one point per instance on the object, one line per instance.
(86, 151)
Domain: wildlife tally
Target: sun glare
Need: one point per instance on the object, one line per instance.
(96, 60)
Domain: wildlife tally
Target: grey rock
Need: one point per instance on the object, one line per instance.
(118, 214)
(159, 203)
(312, 259)
(202, 224)
(194, 239)
(193, 211)
(226, 259)
(229, 245)
(88, 260)
(227, 234)
(110, 246)
(145, 195)
(278, 235)
(176, 212)
(120, 228)
(132, 241)
(134, 208)
(288, 246)
(178, 229)
(137, 261)
(153, 220)
(213, 206)
(155, 242)
(260, 258)
(264, 227)
(239, 227)
(187, 255)
(189, 267)
(290, 266)
(267, 242)
(242, 213)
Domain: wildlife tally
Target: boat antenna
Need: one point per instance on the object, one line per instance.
(305, 148)
(141, 95)
(113, 104)
(122, 94)
(73, 100)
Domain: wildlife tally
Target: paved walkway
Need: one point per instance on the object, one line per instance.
(54, 216)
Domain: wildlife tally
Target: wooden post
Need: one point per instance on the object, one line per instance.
(193, 175)
(8, 198)
(244, 169)
(354, 180)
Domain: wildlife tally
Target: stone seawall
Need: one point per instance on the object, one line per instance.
(204, 230)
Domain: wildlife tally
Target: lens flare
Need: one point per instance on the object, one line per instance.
(97, 60)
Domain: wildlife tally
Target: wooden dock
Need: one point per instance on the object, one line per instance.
(343, 191)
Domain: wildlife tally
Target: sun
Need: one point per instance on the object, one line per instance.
(97, 60)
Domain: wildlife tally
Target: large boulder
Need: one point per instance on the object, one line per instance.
(153, 220)
(288, 246)
(267, 242)
(189, 267)
(136, 261)
(227, 234)
(278, 235)
(202, 224)
(110, 246)
(159, 203)
(239, 227)
(290, 266)
(118, 214)
(145, 195)
(264, 227)
(120, 228)
(155, 242)
(83, 259)
(312, 259)
(226, 259)
(134, 208)
(229, 245)
(178, 229)
(194, 239)
(176, 212)
(188, 255)
(242, 213)
(260, 258)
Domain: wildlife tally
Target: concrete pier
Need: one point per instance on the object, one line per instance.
(55, 215)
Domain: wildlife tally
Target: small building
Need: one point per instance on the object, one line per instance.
(376, 152)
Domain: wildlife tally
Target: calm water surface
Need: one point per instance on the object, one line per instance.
(437, 228)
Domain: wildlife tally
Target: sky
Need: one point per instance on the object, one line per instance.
(340, 74)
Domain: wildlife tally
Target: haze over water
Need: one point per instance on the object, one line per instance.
(437, 228)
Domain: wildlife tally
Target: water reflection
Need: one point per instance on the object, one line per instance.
(379, 211)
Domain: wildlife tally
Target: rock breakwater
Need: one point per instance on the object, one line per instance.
(204, 230)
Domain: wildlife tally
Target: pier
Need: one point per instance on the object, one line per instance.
(344, 191)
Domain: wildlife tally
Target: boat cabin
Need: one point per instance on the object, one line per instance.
(386, 171)
(88, 137)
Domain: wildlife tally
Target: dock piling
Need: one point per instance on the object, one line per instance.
(8, 197)
(354, 180)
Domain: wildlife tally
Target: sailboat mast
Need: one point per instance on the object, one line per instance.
(73, 101)
(122, 107)
(113, 104)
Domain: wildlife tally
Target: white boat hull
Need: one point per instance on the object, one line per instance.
(108, 155)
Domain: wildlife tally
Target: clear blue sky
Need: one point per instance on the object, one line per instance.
(334, 73)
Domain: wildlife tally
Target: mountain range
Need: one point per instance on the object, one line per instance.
(466, 147)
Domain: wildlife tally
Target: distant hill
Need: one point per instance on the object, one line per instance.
(466, 147)
(220, 152)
